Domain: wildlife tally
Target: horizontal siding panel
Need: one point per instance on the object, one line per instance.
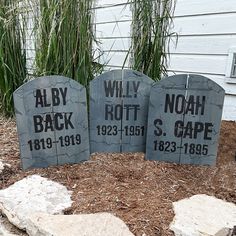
(199, 64)
(114, 59)
(118, 13)
(109, 68)
(108, 3)
(30, 44)
(118, 29)
(213, 45)
(187, 7)
(194, 7)
(206, 24)
(202, 25)
(183, 8)
(216, 44)
(115, 44)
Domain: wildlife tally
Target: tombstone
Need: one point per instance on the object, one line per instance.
(184, 120)
(118, 111)
(52, 122)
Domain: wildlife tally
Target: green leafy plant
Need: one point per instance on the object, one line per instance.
(64, 39)
(151, 24)
(12, 54)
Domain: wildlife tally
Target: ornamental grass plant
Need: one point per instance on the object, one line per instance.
(12, 54)
(150, 36)
(64, 39)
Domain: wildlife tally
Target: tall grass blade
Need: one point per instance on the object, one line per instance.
(151, 24)
(64, 38)
(12, 54)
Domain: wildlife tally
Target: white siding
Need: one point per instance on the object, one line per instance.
(206, 31)
(113, 21)
(28, 19)
(200, 7)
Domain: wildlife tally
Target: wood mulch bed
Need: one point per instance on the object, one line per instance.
(140, 192)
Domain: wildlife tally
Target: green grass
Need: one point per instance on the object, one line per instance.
(12, 55)
(64, 39)
(150, 36)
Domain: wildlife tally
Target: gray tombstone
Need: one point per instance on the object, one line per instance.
(52, 122)
(184, 120)
(118, 111)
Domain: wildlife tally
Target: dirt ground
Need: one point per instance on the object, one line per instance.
(139, 192)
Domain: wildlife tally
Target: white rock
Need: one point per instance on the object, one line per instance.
(2, 166)
(33, 194)
(99, 224)
(202, 215)
(5, 232)
(224, 232)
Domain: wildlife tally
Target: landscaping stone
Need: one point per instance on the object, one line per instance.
(3, 165)
(99, 224)
(33, 194)
(5, 232)
(225, 232)
(202, 215)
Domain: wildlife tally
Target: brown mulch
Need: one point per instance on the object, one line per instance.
(140, 192)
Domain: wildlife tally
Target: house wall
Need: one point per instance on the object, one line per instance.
(112, 25)
(206, 32)
(27, 22)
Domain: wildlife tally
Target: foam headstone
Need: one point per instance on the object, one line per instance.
(52, 122)
(118, 111)
(184, 120)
